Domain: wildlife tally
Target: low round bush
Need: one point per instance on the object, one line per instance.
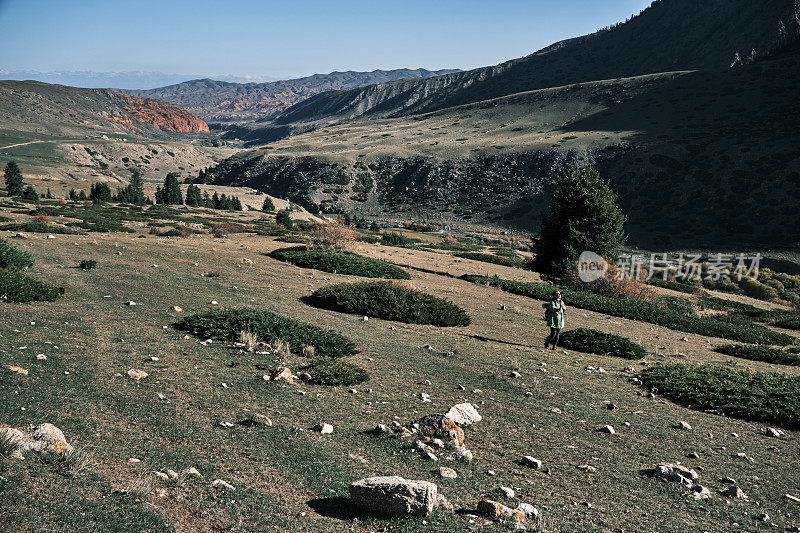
(509, 261)
(12, 258)
(339, 262)
(597, 342)
(335, 372)
(765, 354)
(226, 325)
(382, 299)
(770, 397)
(19, 287)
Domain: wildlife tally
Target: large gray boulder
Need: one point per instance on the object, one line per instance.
(394, 496)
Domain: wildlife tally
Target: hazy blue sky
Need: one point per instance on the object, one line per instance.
(288, 38)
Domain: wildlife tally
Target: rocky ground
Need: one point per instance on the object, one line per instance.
(570, 434)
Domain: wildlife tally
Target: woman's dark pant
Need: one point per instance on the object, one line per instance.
(553, 337)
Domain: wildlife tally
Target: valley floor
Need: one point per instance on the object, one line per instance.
(292, 479)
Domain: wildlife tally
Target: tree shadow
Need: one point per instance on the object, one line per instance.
(335, 507)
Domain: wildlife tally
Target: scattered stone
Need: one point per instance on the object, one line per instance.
(177, 309)
(734, 492)
(324, 429)
(685, 425)
(214, 302)
(442, 426)
(728, 481)
(791, 498)
(16, 369)
(464, 414)
(508, 492)
(130, 303)
(746, 457)
(515, 374)
(280, 374)
(446, 473)
(137, 374)
(225, 424)
(220, 484)
(172, 474)
(461, 455)
(763, 517)
(693, 455)
(134, 460)
(161, 475)
(496, 510)
(192, 471)
(394, 496)
(528, 510)
(41, 357)
(699, 492)
(260, 420)
(48, 438)
(611, 406)
(671, 471)
(773, 432)
(381, 429)
(531, 462)
(304, 376)
(587, 468)
(606, 429)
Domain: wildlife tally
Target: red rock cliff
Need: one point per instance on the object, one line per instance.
(144, 111)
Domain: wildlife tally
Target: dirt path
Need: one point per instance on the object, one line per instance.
(23, 144)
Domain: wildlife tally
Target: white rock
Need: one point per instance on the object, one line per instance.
(447, 473)
(323, 428)
(220, 484)
(137, 374)
(531, 462)
(528, 510)
(464, 414)
(508, 492)
(606, 429)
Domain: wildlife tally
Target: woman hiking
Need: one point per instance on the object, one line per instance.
(554, 314)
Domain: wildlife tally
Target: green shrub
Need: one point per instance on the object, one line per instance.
(226, 325)
(509, 261)
(12, 258)
(722, 327)
(335, 372)
(19, 287)
(87, 264)
(765, 354)
(790, 322)
(382, 299)
(676, 286)
(284, 218)
(769, 397)
(393, 238)
(339, 262)
(759, 291)
(36, 226)
(593, 341)
(101, 225)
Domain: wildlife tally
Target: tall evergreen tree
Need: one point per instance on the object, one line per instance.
(30, 194)
(100, 192)
(172, 190)
(73, 195)
(215, 201)
(236, 204)
(193, 196)
(14, 182)
(583, 216)
(268, 204)
(82, 196)
(207, 201)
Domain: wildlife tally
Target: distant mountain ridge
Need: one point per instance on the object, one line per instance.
(226, 102)
(58, 109)
(669, 35)
(121, 80)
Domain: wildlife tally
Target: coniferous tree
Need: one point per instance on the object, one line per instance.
(193, 196)
(207, 201)
(100, 192)
(159, 194)
(268, 204)
(14, 182)
(172, 190)
(29, 193)
(82, 196)
(583, 216)
(215, 201)
(284, 219)
(49, 194)
(73, 195)
(236, 204)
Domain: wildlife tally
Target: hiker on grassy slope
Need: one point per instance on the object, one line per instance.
(554, 314)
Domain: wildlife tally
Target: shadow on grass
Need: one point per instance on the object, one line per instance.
(336, 507)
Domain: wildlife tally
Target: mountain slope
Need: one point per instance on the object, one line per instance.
(59, 109)
(670, 35)
(226, 102)
(697, 158)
